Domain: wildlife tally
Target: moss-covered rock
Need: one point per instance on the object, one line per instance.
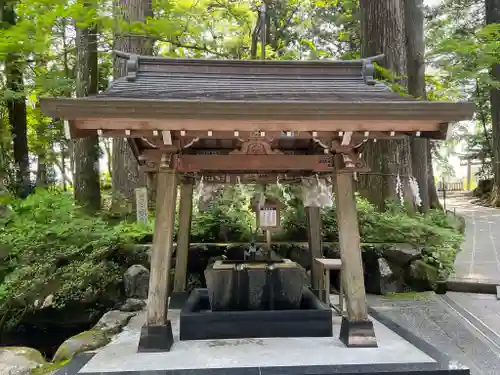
(422, 276)
(88, 340)
(19, 360)
(49, 368)
(112, 322)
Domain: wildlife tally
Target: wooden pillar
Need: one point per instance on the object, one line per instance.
(315, 248)
(181, 259)
(156, 335)
(469, 175)
(356, 329)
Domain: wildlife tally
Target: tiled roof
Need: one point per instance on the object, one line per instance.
(191, 79)
(249, 87)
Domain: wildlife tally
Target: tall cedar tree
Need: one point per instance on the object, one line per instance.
(16, 105)
(126, 175)
(383, 32)
(415, 57)
(86, 151)
(493, 17)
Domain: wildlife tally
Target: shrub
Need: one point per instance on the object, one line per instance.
(53, 248)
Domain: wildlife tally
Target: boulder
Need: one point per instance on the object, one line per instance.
(401, 254)
(85, 341)
(235, 252)
(300, 255)
(371, 270)
(136, 280)
(113, 321)
(422, 276)
(19, 360)
(331, 251)
(133, 304)
(390, 279)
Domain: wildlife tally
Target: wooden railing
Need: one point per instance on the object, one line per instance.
(451, 186)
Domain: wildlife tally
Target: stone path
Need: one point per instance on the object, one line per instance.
(479, 259)
(439, 324)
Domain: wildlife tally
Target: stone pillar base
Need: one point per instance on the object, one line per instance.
(357, 334)
(156, 338)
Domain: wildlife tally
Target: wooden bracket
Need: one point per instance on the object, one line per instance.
(350, 162)
(255, 146)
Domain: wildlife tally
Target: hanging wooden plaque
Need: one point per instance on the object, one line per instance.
(268, 216)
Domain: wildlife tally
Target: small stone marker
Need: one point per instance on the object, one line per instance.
(141, 199)
(498, 291)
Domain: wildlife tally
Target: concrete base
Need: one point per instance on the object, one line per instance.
(272, 356)
(358, 334)
(198, 322)
(156, 339)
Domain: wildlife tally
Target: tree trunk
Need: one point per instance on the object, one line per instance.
(86, 150)
(493, 17)
(415, 57)
(41, 172)
(433, 194)
(16, 106)
(126, 175)
(382, 31)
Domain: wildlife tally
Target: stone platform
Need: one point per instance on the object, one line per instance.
(271, 356)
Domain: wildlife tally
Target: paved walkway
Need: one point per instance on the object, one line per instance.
(479, 259)
(441, 322)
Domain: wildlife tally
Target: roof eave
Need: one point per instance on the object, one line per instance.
(70, 109)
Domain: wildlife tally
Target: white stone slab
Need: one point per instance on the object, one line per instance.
(121, 354)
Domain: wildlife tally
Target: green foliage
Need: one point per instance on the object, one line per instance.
(53, 248)
(435, 232)
(228, 219)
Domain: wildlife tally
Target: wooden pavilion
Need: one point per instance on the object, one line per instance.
(251, 121)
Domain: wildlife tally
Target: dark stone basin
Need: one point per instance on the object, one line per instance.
(255, 285)
(199, 322)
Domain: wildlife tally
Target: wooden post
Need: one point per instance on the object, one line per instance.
(356, 329)
(181, 259)
(156, 335)
(313, 215)
(469, 175)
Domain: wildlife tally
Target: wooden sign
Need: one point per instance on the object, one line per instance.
(464, 163)
(268, 215)
(141, 200)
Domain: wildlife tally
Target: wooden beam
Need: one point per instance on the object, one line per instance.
(185, 213)
(166, 194)
(313, 215)
(259, 163)
(305, 125)
(357, 329)
(183, 137)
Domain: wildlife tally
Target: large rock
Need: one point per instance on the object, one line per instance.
(113, 321)
(136, 280)
(301, 255)
(391, 279)
(133, 304)
(85, 341)
(19, 360)
(331, 251)
(422, 276)
(235, 252)
(402, 254)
